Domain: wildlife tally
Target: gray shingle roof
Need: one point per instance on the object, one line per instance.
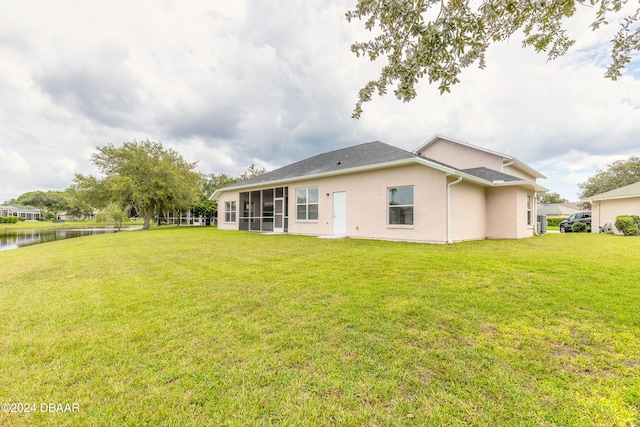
(632, 190)
(370, 153)
(491, 175)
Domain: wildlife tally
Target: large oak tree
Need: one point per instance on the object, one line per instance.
(142, 174)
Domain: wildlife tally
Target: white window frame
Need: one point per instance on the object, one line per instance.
(230, 211)
(529, 211)
(307, 203)
(412, 206)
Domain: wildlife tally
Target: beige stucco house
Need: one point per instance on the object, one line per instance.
(605, 207)
(443, 192)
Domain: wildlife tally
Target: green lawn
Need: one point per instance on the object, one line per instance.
(195, 326)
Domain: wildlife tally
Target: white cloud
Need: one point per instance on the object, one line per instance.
(12, 164)
(229, 84)
(65, 168)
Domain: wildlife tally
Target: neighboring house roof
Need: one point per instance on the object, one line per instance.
(517, 163)
(368, 156)
(632, 190)
(571, 205)
(20, 208)
(555, 209)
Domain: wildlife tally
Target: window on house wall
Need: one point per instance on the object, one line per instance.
(400, 205)
(307, 203)
(230, 211)
(529, 213)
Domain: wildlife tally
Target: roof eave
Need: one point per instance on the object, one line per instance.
(598, 199)
(436, 137)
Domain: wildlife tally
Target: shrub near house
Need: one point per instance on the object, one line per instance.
(579, 227)
(629, 225)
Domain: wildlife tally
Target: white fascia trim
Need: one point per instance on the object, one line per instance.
(538, 188)
(631, 196)
(523, 166)
(437, 136)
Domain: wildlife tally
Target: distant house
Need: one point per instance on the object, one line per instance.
(28, 213)
(573, 205)
(66, 216)
(605, 207)
(444, 191)
(556, 210)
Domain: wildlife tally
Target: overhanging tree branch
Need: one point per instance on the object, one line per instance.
(457, 36)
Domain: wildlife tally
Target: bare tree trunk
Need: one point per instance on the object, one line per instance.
(148, 216)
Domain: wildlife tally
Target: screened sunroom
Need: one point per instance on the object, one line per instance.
(263, 210)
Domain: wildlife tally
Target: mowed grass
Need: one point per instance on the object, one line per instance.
(195, 326)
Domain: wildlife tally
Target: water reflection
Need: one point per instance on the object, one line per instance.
(13, 239)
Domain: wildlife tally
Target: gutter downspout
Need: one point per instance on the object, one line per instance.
(449, 185)
(598, 222)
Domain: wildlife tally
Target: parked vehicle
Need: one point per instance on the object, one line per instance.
(584, 217)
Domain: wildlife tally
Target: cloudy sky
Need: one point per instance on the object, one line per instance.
(228, 84)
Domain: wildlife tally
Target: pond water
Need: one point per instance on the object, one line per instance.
(13, 239)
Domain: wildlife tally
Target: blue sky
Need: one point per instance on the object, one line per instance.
(228, 84)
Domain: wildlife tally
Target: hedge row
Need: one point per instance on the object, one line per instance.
(554, 222)
(9, 219)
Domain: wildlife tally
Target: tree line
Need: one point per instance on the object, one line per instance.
(143, 179)
(138, 179)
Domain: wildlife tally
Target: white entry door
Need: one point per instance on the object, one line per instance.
(340, 213)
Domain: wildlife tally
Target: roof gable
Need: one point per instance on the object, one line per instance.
(500, 157)
(438, 137)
